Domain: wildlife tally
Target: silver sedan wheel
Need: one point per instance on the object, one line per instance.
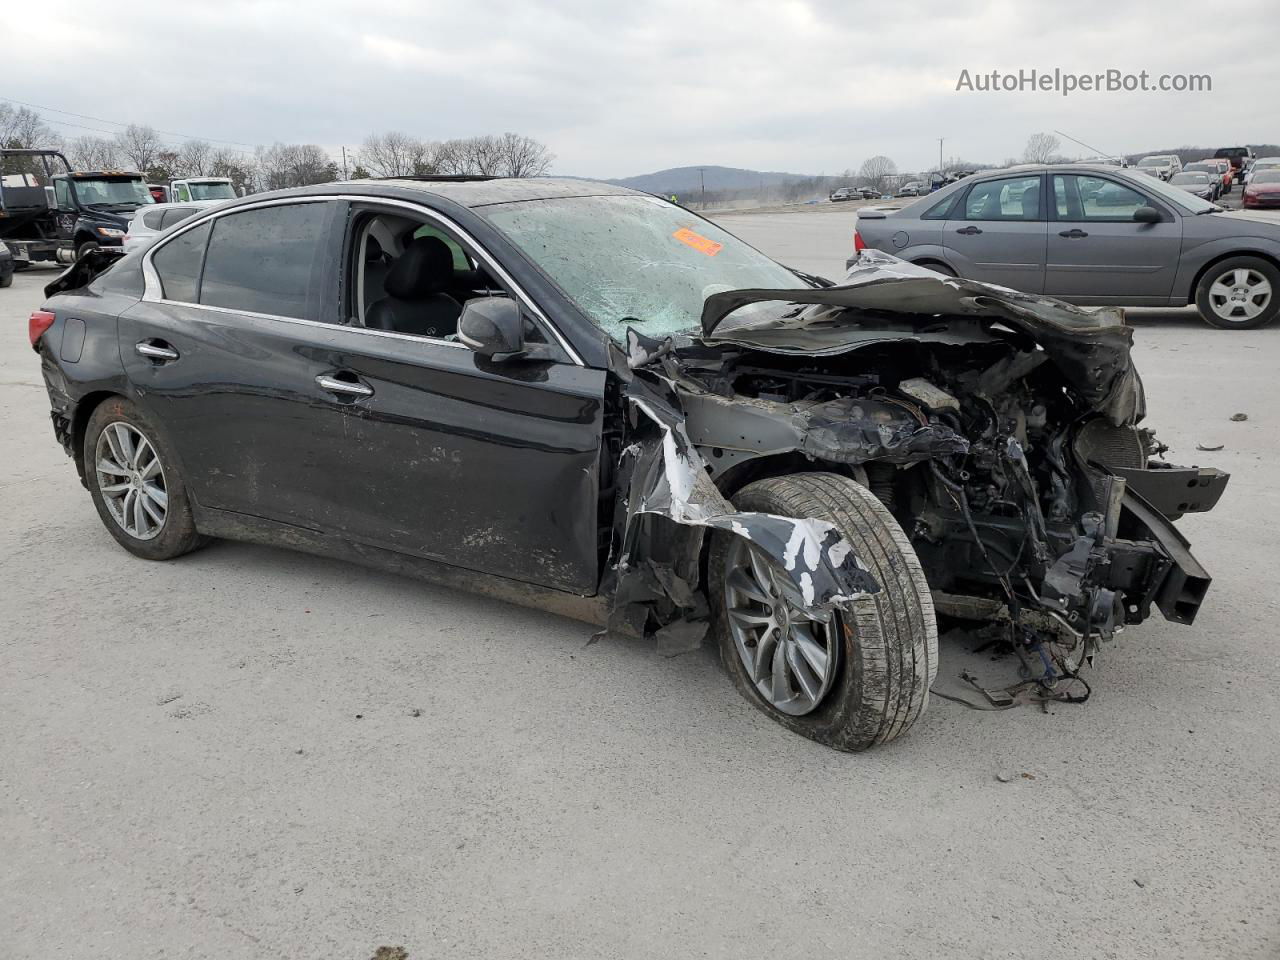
(131, 480)
(791, 658)
(1239, 294)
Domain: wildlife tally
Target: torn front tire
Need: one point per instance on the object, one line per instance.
(863, 677)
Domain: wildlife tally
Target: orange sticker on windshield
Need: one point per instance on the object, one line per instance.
(698, 242)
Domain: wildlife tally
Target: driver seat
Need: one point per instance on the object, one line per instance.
(415, 284)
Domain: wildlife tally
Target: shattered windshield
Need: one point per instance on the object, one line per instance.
(636, 261)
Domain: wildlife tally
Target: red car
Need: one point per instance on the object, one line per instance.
(1263, 189)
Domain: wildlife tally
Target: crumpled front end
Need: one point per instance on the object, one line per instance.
(1003, 431)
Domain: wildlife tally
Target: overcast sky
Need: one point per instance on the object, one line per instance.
(615, 88)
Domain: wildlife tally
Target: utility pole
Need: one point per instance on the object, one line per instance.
(940, 141)
(703, 180)
(344, 163)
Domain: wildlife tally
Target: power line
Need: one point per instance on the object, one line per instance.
(117, 123)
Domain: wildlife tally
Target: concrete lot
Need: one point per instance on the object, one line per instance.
(250, 753)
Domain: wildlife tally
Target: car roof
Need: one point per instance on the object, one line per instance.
(483, 192)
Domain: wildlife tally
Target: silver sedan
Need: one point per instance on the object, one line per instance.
(1091, 235)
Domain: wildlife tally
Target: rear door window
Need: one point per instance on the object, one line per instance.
(178, 264)
(172, 215)
(1015, 198)
(265, 260)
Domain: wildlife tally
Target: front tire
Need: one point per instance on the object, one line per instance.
(881, 650)
(1240, 293)
(133, 478)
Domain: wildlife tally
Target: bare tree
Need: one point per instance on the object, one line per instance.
(522, 156)
(391, 154)
(92, 153)
(23, 129)
(164, 168)
(235, 166)
(876, 171)
(139, 146)
(1041, 148)
(293, 165)
(195, 159)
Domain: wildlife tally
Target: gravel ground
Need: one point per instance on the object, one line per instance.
(250, 753)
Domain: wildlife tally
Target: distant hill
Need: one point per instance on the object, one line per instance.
(689, 180)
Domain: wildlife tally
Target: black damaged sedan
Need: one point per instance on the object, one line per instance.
(574, 395)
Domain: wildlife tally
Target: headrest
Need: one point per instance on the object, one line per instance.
(372, 249)
(425, 267)
(1031, 203)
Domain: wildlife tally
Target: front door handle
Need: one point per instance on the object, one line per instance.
(156, 350)
(969, 231)
(346, 388)
(1075, 233)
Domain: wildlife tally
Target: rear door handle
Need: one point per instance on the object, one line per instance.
(1073, 234)
(346, 388)
(155, 350)
(969, 231)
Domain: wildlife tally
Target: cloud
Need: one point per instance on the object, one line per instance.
(616, 89)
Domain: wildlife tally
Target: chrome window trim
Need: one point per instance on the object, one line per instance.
(152, 292)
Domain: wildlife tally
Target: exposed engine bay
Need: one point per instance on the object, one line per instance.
(1002, 431)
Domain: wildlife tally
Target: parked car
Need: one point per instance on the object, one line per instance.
(1206, 186)
(151, 221)
(912, 188)
(1241, 158)
(159, 192)
(1263, 190)
(460, 380)
(845, 193)
(1090, 235)
(1211, 169)
(6, 265)
(1262, 163)
(1226, 173)
(1163, 165)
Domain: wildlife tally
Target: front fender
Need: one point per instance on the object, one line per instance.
(1193, 262)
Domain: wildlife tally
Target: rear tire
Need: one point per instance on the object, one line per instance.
(1239, 277)
(133, 477)
(887, 642)
(6, 280)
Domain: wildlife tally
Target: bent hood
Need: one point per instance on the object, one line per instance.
(884, 299)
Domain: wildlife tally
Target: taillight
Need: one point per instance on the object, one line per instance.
(39, 322)
(858, 243)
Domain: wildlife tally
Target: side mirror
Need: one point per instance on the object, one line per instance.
(492, 327)
(1147, 215)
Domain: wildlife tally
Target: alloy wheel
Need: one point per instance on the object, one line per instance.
(131, 480)
(790, 657)
(1240, 294)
